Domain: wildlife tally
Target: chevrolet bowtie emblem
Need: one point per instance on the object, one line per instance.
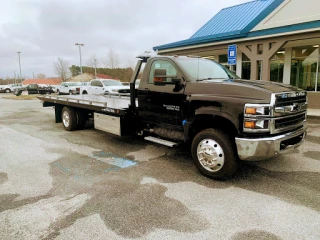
(296, 107)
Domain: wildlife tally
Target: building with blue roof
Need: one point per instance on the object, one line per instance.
(276, 40)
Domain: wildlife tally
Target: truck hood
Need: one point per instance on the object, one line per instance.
(246, 90)
(272, 87)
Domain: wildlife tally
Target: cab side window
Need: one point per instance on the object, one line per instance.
(99, 84)
(171, 70)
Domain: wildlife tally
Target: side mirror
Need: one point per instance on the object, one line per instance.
(178, 84)
(177, 80)
(159, 76)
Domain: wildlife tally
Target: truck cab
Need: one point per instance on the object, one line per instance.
(199, 101)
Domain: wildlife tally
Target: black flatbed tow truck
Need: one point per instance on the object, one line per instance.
(187, 99)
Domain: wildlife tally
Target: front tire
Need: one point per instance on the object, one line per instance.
(8, 90)
(214, 154)
(69, 118)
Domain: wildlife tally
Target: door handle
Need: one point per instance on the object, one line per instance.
(145, 90)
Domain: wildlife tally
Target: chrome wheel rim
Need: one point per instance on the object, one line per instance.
(66, 119)
(210, 155)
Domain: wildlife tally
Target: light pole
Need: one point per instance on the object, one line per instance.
(20, 67)
(95, 67)
(80, 44)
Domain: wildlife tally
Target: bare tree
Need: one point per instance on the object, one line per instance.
(112, 61)
(41, 76)
(131, 64)
(61, 68)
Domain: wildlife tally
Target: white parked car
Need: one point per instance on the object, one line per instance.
(68, 88)
(8, 88)
(105, 86)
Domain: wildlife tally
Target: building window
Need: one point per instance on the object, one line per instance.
(260, 49)
(246, 67)
(277, 66)
(223, 58)
(305, 68)
(245, 58)
(259, 66)
(271, 45)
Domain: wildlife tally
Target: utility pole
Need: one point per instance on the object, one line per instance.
(20, 67)
(80, 44)
(95, 67)
(15, 80)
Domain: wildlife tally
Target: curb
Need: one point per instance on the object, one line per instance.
(313, 117)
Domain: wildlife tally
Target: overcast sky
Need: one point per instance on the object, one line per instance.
(44, 30)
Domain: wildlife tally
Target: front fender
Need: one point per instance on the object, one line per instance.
(217, 111)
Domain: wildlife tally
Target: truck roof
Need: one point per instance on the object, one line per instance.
(148, 56)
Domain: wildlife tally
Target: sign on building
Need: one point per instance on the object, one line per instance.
(232, 54)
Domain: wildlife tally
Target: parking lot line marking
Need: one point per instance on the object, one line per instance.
(122, 162)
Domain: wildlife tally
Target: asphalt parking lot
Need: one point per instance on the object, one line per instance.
(88, 184)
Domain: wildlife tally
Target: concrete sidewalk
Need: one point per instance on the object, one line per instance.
(313, 113)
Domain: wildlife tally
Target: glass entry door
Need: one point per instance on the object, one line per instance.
(305, 67)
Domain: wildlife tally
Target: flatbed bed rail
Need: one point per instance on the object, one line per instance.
(99, 103)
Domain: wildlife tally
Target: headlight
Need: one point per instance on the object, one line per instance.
(255, 125)
(256, 110)
(114, 90)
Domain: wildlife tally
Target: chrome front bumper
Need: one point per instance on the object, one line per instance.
(263, 148)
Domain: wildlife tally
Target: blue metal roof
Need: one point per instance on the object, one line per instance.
(231, 22)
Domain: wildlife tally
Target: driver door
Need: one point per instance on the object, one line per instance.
(160, 104)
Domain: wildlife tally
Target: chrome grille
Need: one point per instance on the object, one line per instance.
(289, 121)
(283, 100)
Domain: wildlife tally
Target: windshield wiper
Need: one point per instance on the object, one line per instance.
(204, 79)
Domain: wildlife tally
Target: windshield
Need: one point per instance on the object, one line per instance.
(112, 83)
(204, 69)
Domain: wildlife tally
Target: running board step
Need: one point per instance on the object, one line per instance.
(160, 141)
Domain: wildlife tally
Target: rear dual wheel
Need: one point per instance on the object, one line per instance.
(214, 154)
(73, 119)
(69, 118)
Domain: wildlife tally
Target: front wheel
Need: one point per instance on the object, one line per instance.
(214, 154)
(8, 90)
